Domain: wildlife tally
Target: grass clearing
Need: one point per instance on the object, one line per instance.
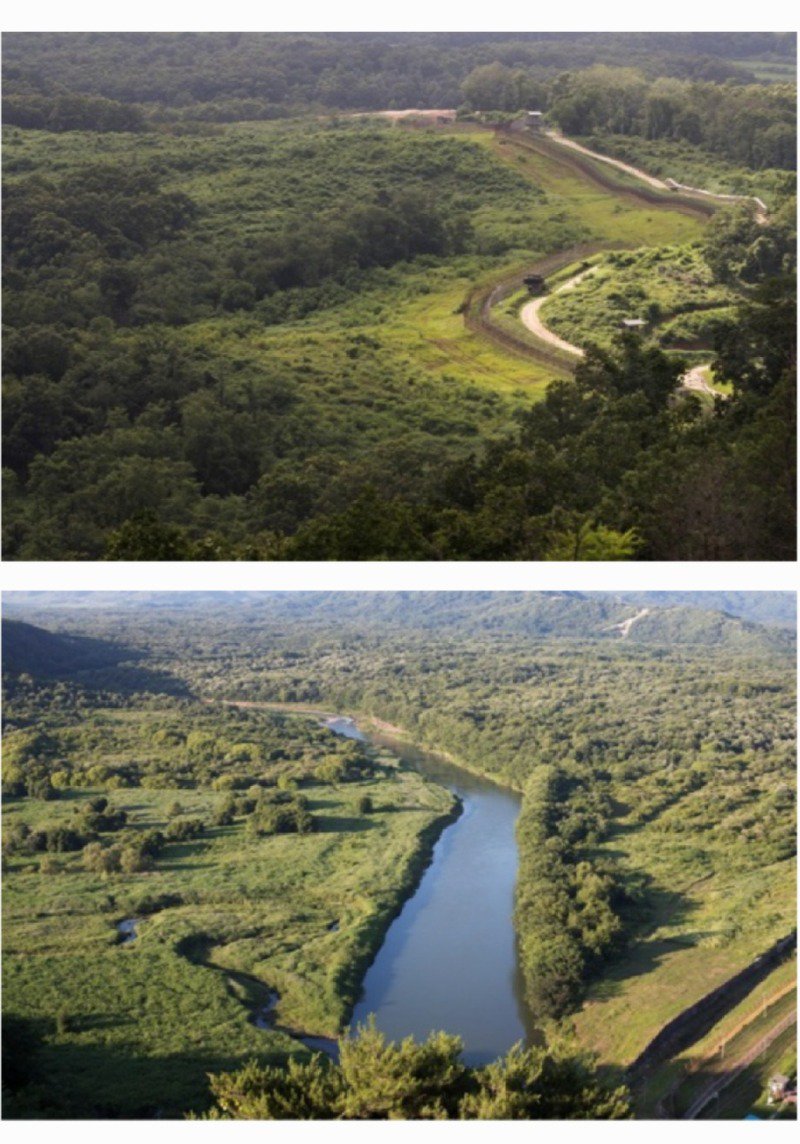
(603, 215)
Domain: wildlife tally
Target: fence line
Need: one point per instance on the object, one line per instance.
(719, 1085)
(694, 1065)
(481, 299)
(698, 1018)
(671, 200)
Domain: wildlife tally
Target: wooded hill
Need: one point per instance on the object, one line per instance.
(706, 619)
(238, 328)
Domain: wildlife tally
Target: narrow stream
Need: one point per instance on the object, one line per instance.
(449, 960)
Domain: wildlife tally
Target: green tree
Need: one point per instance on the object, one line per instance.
(380, 1080)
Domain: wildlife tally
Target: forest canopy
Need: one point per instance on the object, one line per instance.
(237, 316)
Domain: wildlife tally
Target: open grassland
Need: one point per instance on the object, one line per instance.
(770, 69)
(395, 341)
(704, 931)
(604, 215)
(225, 919)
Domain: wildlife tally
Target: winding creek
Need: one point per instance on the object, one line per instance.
(449, 960)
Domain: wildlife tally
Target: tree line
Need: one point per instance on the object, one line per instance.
(378, 1080)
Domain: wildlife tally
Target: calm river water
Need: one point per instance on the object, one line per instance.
(449, 960)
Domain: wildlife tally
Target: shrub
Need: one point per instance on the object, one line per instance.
(182, 829)
(99, 859)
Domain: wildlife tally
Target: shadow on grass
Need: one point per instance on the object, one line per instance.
(101, 1081)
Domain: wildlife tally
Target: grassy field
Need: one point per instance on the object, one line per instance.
(704, 932)
(604, 215)
(128, 1030)
(771, 70)
(669, 287)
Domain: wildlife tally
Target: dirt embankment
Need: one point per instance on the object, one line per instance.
(694, 1022)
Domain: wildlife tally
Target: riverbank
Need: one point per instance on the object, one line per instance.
(389, 731)
(454, 907)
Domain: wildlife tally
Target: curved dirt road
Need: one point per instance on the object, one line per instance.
(529, 316)
(761, 213)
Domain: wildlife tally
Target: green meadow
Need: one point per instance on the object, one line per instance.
(132, 1029)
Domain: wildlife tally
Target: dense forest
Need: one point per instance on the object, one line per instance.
(652, 742)
(234, 319)
(249, 75)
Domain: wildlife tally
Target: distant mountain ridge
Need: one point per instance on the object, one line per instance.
(778, 608)
(92, 633)
(774, 608)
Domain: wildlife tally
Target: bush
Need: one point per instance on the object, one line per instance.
(106, 821)
(42, 788)
(62, 840)
(183, 829)
(99, 859)
(287, 818)
(133, 860)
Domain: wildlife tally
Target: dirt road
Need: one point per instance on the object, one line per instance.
(416, 112)
(529, 315)
(761, 214)
(531, 319)
(636, 171)
(626, 625)
(694, 379)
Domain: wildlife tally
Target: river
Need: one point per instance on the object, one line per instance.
(449, 960)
